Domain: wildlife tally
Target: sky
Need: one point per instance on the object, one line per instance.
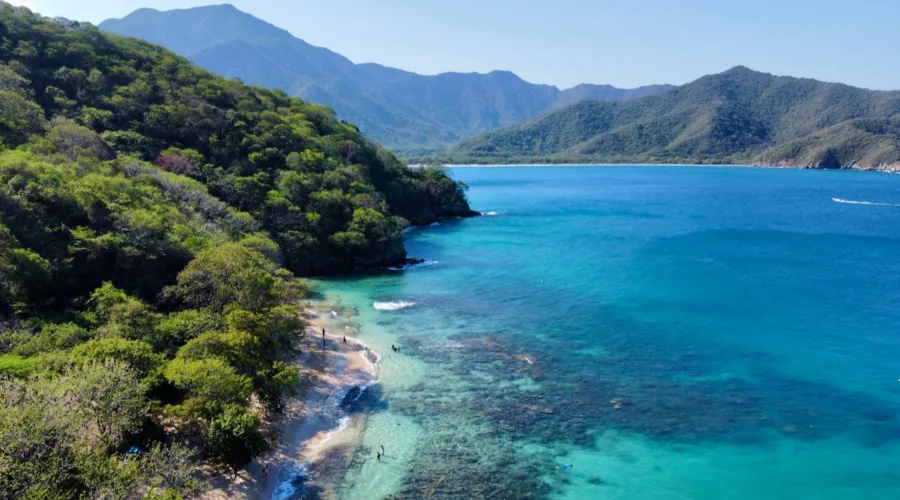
(567, 42)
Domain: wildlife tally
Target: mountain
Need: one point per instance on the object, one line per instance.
(739, 116)
(400, 109)
(589, 92)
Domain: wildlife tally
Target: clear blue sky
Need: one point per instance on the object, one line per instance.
(566, 42)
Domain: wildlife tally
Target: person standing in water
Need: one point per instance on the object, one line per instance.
(378, 455)
(382, 450)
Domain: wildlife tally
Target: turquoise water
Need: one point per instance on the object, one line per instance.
(671, 332)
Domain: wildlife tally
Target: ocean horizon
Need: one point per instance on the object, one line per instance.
(641, 333)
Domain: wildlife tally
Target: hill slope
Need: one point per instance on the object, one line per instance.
(150, 217)
(398, 108)
(736, 116)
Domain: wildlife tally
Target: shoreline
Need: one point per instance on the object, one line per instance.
(714, 165)
(316, 437)
(511, 165)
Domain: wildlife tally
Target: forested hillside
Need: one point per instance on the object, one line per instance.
(151, 216)
(401, 109)
(739, 116)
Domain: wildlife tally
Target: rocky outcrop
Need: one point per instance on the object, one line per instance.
(460, 209)
(827, 165)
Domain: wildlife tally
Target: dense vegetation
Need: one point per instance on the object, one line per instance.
(403, 110)
(150, 217)
(733, 117)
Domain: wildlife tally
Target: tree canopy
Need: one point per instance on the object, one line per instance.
(153, 219)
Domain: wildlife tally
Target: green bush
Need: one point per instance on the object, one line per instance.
(17, 366)
(233, 438)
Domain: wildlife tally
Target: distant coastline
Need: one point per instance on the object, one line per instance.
(891, 169)
(493, 165)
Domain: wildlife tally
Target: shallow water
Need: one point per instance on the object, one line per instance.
(671, 332)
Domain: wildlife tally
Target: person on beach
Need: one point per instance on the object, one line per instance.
(345, 339)
(378, 455)
(382, 450)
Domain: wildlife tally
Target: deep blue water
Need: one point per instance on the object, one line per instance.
(672, 332)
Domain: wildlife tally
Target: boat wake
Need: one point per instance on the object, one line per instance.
(392, 306)
(854, 202)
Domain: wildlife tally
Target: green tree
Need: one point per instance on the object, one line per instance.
(211, 379)
(233, 438)
(228, 274)
(19, 118)
(182, 326)
(108, 477)
(109, 395)
(240, 349)
(276, 383)
(137, 354)
(38, 436)
(24, 275)
(170, 472)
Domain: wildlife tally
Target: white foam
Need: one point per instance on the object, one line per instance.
(365, 356)
(491, 213)
(854, 202)
(363, 388)
(435, 224)
(342, 395)
(427, 263)
(287, 474)
(342, 424)
(392, 306)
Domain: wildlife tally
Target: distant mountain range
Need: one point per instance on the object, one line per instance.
(403, 110)
(739, 116)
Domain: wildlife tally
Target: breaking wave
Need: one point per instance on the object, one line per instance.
(392, 306)
(290, 478)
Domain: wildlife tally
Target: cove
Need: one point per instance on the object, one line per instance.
(671, 332)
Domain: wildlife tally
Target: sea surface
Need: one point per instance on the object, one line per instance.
(670, 332)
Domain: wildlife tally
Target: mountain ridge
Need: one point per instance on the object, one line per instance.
(401, 109)
(738, 116)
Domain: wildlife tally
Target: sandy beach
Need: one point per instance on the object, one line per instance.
(315, 439)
